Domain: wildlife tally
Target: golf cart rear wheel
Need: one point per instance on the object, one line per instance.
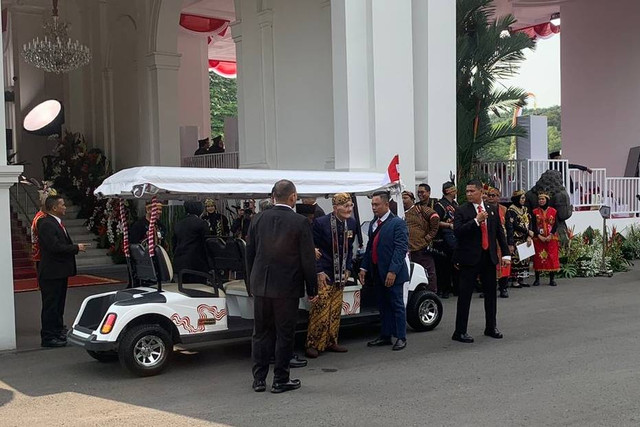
(145, 350)
(424, 311)
(103, 356)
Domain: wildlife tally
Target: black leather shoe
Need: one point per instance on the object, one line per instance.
(53, 342)
(444, 295)
(504, 293)
(288, 386)
(493, 333)
(259, 386)
(399, 345)
(379, 342)
(536, 283)
(296, 362)
(465, 338)
(553, 283)
(481, 295)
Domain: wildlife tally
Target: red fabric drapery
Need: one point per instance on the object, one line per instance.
(202, 24)
(226, 69)
(544, 31)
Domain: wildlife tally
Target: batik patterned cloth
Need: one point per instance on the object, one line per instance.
(324, 318)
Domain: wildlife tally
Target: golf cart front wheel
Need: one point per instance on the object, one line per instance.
(145, 350)
(424, 311)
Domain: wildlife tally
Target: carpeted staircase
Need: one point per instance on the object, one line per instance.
(23, 267)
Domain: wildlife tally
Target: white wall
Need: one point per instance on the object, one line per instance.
(600, 91)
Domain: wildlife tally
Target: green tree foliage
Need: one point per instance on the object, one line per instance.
(504, 148)
(224, 101)
(485, 54)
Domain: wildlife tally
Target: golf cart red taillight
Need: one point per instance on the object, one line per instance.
(107, 326)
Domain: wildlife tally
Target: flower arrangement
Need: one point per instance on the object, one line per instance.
(76, 171)
(105, 223)
(582, 256)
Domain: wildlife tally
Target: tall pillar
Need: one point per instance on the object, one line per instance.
(265, 20)
(8, 177)
(353, 113)
(392, 50)
(434, 74)
(164, 143)
(236, 33)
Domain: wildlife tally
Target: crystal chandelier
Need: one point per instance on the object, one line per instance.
(56, 53)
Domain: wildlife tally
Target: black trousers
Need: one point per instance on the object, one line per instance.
(54, 295)
(486, 271)
(273, 332)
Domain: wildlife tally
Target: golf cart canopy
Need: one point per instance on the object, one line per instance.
(199, 183)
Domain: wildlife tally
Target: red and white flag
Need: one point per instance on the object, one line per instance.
(393, 174)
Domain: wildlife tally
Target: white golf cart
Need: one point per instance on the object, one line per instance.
(141, 324)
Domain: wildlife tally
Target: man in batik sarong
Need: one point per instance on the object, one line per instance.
(333, 236)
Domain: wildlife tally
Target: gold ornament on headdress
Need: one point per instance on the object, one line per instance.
(340, 199)
(543, 194)
(518, 193)
(209, 202)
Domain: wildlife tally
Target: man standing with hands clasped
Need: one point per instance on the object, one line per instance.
(57, 263)
(478, 231)
(385, 258)
(280, 262)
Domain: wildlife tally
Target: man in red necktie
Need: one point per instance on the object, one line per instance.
(56, 265)
(385, 259)
(478, 231)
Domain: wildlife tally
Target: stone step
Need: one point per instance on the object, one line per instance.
(86, 261)
(76, 230)
(93, 252)
(79, 222)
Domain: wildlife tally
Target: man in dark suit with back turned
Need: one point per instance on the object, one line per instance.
(57, 263)
(385, 258)
(478, 231)
(280, 262)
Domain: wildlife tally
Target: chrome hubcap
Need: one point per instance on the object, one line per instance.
(428, 311)
(149, 351)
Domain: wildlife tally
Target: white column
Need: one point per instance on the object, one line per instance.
(164, 144)
(193, 84)
(108, 130)
(434, 74)
(8, 176)
(393, 85)
(236, 32)
(353, 114)
(265, 20)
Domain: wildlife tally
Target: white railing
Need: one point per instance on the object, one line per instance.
(512, 175)
(587, 189)
(219, 160)
(623, 194)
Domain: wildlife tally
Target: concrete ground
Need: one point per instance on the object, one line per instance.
(570, 356)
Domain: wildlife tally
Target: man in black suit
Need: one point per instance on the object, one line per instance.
(280, 262)
(189, 243)
(478, 231)
(57, 263)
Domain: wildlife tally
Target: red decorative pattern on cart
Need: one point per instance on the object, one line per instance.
(185, 321)
(347, 309)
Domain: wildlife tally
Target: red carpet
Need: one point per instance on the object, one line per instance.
(26, 285)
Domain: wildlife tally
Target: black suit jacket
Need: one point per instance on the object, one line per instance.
(281, 255)
(469, 235)
(188, 242)
(58, 252)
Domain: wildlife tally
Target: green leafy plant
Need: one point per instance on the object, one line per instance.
(486, 52)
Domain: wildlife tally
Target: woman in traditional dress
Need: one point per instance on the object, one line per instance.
(547, 257)
(518, 232)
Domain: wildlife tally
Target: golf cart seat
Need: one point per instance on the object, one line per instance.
(226, 258)
(144, 274)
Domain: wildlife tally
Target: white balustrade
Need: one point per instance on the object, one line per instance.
(218, 160)
(587, 189)
(623, 195)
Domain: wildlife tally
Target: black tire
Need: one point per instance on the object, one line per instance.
(145, 350)
(424, 311)
(103, 356)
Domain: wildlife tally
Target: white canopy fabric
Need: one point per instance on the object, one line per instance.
(188, 183)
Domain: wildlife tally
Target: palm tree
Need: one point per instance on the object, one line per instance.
(486, 52)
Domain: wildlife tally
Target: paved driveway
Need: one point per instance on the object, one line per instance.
(571, 356)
